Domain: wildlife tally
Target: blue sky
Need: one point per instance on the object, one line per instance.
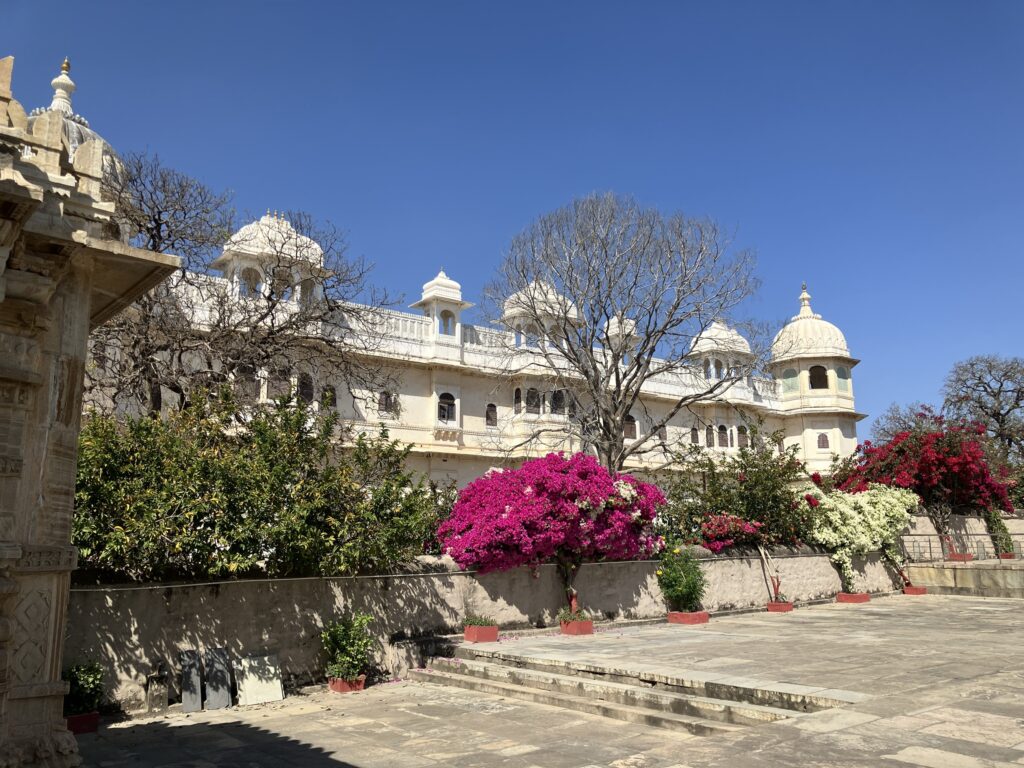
(873, 149)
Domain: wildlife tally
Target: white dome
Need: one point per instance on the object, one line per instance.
(442, 287)
(275, 238)
(539, 298)
(807, 335)
(718, 337)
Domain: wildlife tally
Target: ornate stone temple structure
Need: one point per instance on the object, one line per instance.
(63, 270)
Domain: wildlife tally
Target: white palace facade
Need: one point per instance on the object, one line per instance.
(468, 398)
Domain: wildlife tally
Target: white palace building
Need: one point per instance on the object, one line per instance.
(467, 397)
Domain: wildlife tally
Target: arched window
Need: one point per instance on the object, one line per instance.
(723, 437)
(531, 337)
(532, 400)
(491, 415)
(249, 281)
(387, 403)
(709, 436)
(447, 323)
(279, 384)
(822, 441)
(719, 370)
(328, 397)
(663, 433)
(742, 438)
(560, 402)
(629, 427)
(307, 291)
(819, 377)
(790, 383)
(446, 408)
(517, 401)
(305, 390)
(246, 385)
(707, 370)
(694, 436)
(843, 379)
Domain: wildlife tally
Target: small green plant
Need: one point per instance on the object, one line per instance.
(86, 691)
(681, 579)
(472, 620)
(348, 645)
(568, 614)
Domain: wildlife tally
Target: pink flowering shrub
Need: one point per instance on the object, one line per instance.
(569, 509)
(725, 530)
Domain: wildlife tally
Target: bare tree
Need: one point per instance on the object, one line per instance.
(604, 301)
(902, 418)
(989, 389)
(301, 318)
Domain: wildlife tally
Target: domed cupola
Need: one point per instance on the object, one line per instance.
(807, 335)
(718, 338)
(76, 130)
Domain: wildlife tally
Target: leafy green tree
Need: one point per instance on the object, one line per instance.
(207, 492)
(755, 483)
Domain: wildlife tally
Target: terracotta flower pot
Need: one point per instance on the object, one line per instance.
(577, 627)
(779, 606)
(338, 685)
(853, 597)
(481, 634)
(87, 722)
(1007, 555)
(688, 617)
(911, 590)
(960, 557)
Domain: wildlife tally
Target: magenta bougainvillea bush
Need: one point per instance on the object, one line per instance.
(566, 509)
(725, 530)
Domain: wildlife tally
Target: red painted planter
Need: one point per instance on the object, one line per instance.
(779, 607)
(909, 590)
(853, 597)
(86, 722)
(481, 634)
(338, 685)
(577, 627)
(960, 557)
(1007, 555)
(688, 617)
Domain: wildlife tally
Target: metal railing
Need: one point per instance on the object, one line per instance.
(956, 547)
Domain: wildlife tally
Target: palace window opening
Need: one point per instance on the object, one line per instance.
(723, 437)
(694, 436)
(246, 384)
(517, 401)
(819, 377)
(532, 400)
(491, 415)
(446, 408)
(719, 370)
(279, 384)
(629, 427)
(447, 323)
(560, 402)
(789, 381)
(742, 438)
(249, 282)
(843, 379)
(387, 403)
(305, 391)
(822, 441)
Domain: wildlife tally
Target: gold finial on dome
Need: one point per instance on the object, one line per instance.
(66, 66)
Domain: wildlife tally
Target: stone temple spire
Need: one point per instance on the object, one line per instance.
(63, 87)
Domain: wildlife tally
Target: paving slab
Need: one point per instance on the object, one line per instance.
(931, 681)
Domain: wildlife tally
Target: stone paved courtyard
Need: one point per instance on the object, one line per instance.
(941, 683)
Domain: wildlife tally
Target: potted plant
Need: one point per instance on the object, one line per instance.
(479, 629)
(348, 645)
(82, 702)
(682, 583)
(779, 602)
(573, 621)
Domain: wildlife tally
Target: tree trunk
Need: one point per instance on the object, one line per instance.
(568, 567)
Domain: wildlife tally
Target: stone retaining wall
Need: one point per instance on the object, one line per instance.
(129, 628)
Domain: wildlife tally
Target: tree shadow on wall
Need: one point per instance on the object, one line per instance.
(227, 745)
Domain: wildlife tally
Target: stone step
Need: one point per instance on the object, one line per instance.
(639, 715)
(661, 700)
(700, 683)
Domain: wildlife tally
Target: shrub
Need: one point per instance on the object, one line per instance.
(681, 579)
(348, 646)
(86, 688)
(756, 484)
(724, 530)
(569, 509)
(207, 493)
(567, 614)
(858, 523)
(472, 620)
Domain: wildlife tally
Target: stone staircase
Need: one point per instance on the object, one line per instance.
(680, 703)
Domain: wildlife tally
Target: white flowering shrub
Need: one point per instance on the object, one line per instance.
(851, 524)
